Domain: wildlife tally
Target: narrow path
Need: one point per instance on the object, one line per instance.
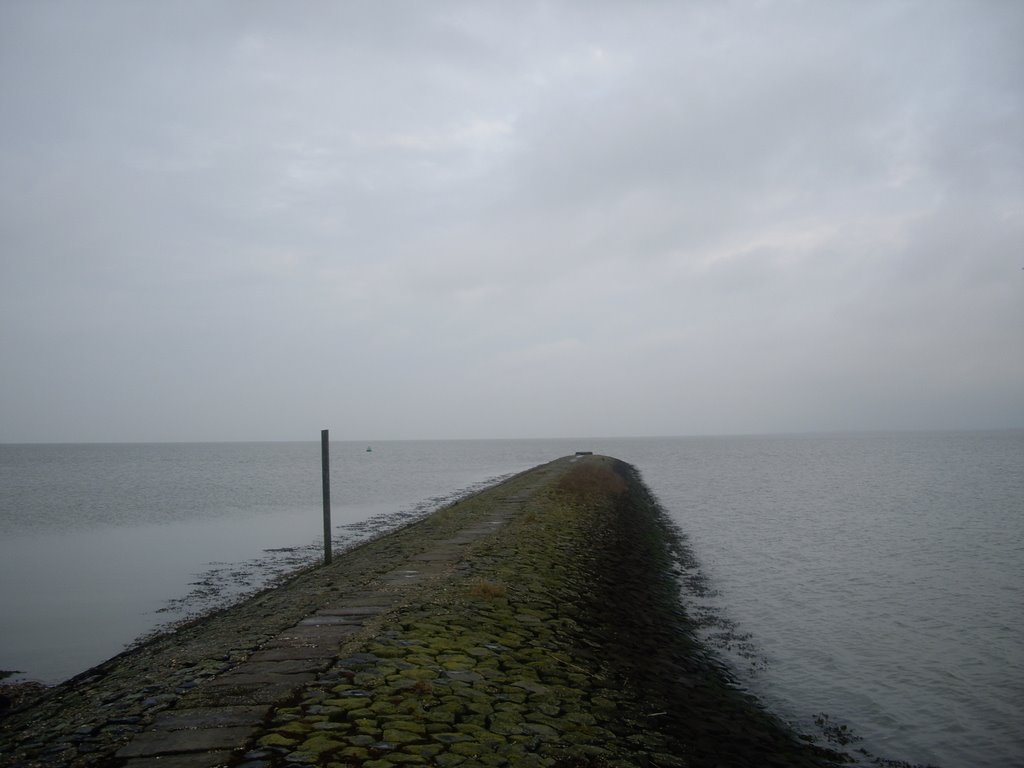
(536, 624)
(225, 712)
(190, 697)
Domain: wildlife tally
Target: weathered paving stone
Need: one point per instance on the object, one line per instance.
(403, 576)
(282, 667)
(527, 627)
(245, 676)
(235, 693)
(354, 610)
(330, 636)
(209, 759)
(331, 620)
(152, 743)
(210, 717)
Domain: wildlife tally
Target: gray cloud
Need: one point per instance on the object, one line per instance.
(234, 221)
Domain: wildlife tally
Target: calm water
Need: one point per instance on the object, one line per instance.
(874, 578)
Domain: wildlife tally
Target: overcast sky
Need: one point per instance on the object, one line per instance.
(248, 220)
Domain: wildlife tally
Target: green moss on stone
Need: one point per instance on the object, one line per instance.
(320, 743)
(277, 740)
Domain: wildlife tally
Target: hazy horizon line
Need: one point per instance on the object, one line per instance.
(372, 441)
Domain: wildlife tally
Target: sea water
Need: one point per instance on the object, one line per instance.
(870, 581)
(880, 579)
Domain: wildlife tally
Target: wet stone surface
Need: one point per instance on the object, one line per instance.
(527, 657)
(535, 624)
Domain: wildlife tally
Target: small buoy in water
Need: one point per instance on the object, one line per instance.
(369, 449)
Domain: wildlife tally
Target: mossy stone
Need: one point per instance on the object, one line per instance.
(438, 716)
(349, 705)
(354, 753)
(406, 725)
(295, 728)
(457, 662)
(424, 750)
(277, 740)
(397, 736)
(319, 744)
(418, 673)
(543, 731)
(452, 737)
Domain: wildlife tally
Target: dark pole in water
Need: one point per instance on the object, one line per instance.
(325, 463)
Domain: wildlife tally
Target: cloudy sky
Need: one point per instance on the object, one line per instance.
(249, 220)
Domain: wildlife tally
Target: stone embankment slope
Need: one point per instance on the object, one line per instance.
(534, 624)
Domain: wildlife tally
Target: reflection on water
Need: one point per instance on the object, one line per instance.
(80, 597)
(879, 574)
(96, 553)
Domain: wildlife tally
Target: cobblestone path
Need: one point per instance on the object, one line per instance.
(534, 624)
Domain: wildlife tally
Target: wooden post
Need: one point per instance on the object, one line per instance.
(325, 463)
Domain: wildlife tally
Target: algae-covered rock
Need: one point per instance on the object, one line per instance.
(397, 736)
(451, 737)
(277, 740)
(546, 644)
(419, 674)
(320, 743)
